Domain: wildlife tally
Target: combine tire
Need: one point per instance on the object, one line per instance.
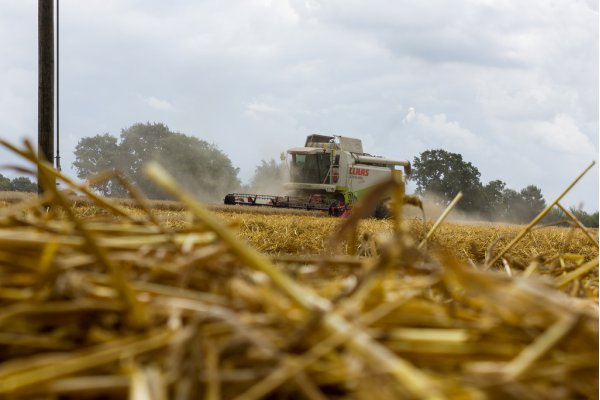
(229, 199)
(336, 210)
(383, 210)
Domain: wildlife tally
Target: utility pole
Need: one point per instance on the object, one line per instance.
(57, 88)
(45, 85)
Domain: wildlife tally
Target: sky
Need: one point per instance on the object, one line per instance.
(511, 85)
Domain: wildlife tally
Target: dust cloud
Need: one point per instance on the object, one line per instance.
(272, 186)
(434, 206)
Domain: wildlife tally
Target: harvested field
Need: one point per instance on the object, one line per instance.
(280, 233)
(109, 301)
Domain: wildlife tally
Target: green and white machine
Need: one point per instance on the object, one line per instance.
(329, 173)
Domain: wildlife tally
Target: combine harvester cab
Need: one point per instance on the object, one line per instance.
(329, 174)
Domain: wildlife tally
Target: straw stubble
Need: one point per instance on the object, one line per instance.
(126, 304)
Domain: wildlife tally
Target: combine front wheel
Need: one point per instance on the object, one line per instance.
(383, 209)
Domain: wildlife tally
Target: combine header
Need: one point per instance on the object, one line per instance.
(329, 173)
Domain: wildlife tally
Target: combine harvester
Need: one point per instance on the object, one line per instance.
(330, 173)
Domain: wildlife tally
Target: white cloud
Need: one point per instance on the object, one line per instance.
(158, 104)
(307, 69)
(410, 116)
(562, 135)
(17, 112)
(258, 109)
(438, 131)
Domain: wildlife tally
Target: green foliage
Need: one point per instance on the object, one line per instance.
(23, 184)
(492, 198)
(509, 206)
(589, 220)
(557, 216)
(95, 154)
(444, 174)
(531, 202)
(269, 177)
(520, 207)
(18, 184)
(5, 184)
(199, 166)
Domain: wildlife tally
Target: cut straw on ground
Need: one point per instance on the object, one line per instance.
(130, 301)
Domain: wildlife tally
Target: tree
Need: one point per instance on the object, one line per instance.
(531, 203)
(555, 216)
(269, 177)
(23, 184)
(492, 197)
(523, 206)
(18, 184)
(509, 206)
(589, 220)
(5, 185)
(96, 154)
(199, 166)
(141, 143)
(444, 174)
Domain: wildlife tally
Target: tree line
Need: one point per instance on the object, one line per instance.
(18, 184)
(442, 175)
(203, 169)
(197, 165)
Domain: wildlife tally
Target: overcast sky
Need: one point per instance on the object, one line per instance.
(511, 85)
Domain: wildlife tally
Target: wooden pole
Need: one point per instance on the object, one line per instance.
(45, 84)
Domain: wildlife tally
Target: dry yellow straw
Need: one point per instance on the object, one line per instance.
(584, 269)
(578, 223)
(138, 314)
(539, 347)
(539, 217)
(293, 366)
(252, 257)
(441, 219)
(211, 365)
(53, 173)
(417, 383)
(49, 369)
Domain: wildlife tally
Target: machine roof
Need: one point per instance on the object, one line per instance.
(306, 150)
(317, 139)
